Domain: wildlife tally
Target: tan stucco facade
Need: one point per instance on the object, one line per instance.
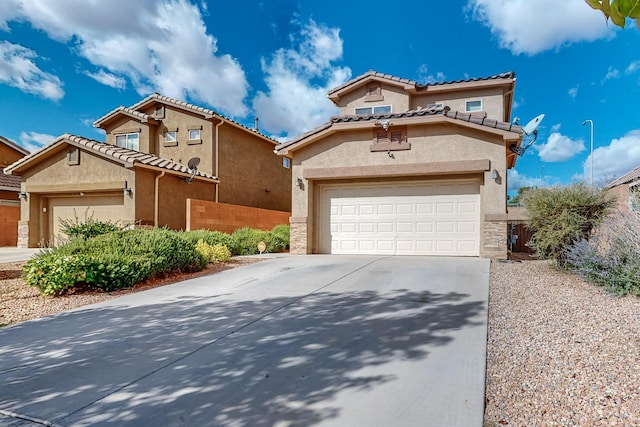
(435, 149)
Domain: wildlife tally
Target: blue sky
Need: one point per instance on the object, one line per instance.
(66, 63)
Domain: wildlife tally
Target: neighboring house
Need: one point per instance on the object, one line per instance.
(406, 169)
(9, 192)
(140, 175)
(627, 190)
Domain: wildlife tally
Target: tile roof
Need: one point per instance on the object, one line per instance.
(627, 178)
(422, 112)
(124, 155)
(10, 143)
(9, 181)
(372, 73)
(124, 110)
(208, 113)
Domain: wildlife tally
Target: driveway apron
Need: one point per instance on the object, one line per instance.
(290, 341)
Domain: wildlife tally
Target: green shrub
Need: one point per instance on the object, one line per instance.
(278, 238)
(112, 261)
(244, 241)
(54, 274)
(209, 237)
(86, 229)
(560, 216)
(213, 253)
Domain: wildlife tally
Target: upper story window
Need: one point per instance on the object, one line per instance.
(286, 163)
(194, 134)
(473, 105)
(171, 136)
(379, 109)
(128, 140)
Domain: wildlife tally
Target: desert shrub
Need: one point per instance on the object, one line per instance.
(213, 253)
(112, 261)
(54, 274)
(278, 238)
(560, 216)
(90, 227)
(612, 256)
(210, 237)
(244, 241)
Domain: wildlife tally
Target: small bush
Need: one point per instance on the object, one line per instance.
(88, 228)
(244, 241)
(54, 274)
(560, 216)
(278, 238)
(612, 256)
(213, 253)
(209, 237)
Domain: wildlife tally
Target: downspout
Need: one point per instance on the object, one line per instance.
(156, 197)
(217, 163)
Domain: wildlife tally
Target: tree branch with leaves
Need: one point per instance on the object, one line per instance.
(618, 10)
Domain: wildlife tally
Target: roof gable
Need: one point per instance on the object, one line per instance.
(7, 142)
(124, 156)
(627, 178)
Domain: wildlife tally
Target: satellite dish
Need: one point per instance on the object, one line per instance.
(532, 126)
(530, 130)
(192, 164)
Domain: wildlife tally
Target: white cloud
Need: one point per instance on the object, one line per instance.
(573, 92)
(559, 148)
(33, 141)
(556, 127)
(298, 81)
(108, 79)
(159, 46)
(531, 27)
(515, 180)
(425, 77)
(633, 67)
(615, 159)
(18, 69)
(612, 73)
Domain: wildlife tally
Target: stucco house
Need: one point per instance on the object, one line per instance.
(140, 175)
(406, 168)
(9, 192)
(627, 190)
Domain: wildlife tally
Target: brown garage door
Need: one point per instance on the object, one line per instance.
(100, 208)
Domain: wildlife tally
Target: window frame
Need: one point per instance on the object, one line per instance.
(126, 137)
(192, 141)
(286, 163)
(469, 101)
(372, 109)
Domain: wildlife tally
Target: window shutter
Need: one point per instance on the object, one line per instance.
(397, 136)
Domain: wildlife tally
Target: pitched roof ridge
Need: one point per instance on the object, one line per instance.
(13, 145)
(632, 175)
(371, 73)
(505, 75)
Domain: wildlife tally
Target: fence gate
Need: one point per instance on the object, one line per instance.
(519, 235)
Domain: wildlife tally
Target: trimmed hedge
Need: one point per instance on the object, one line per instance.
(111, 261)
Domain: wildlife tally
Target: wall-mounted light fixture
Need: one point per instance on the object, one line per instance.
(22, 195)
(495, 175)
(127, 189)
(299, 182)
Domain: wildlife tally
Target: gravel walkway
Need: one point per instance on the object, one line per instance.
(561, 351)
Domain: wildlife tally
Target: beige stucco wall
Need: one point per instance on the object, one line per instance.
(250, 173)
(622, 194)
(430, 144)
(128, 125)
(492, 100)
(393, 95)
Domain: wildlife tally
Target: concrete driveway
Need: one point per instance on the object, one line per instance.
(291, 341)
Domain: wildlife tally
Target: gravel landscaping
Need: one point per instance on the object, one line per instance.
(561, 351)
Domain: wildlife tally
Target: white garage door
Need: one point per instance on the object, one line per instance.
(100, 208)
(401, 219)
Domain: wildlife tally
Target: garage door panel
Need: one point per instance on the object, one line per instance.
(108, 208)
(422, 219)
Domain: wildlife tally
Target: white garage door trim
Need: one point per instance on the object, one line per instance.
(401, 219)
